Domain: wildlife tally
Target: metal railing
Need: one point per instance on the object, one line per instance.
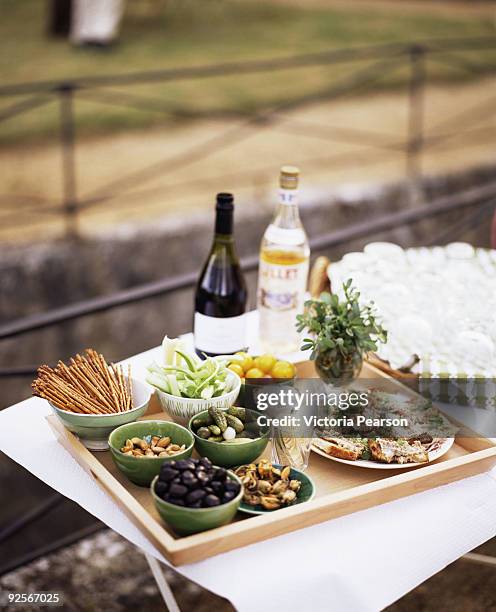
(385, 60)
(479, 202)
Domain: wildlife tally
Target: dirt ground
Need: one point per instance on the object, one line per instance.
(142, 175)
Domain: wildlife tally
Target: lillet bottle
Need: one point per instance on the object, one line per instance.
(283, 270)
(220, 298)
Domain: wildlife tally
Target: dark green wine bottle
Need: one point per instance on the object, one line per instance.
(220, 298)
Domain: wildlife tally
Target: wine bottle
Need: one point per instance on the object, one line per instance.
(283, 270)
(220, 298)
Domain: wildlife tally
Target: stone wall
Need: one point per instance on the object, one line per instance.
(42, 276)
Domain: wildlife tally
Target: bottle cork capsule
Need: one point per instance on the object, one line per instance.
(289, 177)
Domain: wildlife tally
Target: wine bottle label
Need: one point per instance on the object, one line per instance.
(282, 287)
(281, 295)
(219, 334)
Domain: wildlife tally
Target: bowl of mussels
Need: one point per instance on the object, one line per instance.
(193, 495)
(229, 437)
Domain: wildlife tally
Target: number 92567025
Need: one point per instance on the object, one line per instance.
(25, 599)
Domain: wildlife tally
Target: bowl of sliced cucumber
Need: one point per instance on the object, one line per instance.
(181, 409)
(187, 385)
(229, 437)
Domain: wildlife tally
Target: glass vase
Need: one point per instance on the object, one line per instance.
(336, 369)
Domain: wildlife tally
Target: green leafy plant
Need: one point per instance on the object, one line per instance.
(340, 329)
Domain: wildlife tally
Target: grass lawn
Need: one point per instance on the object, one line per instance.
(175, 33)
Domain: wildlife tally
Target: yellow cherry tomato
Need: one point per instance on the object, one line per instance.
(236, 367)
(255, 373)
(265, 362)
(247, 362)
(283, 369)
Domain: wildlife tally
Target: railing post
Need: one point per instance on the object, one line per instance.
(67, 141)
(415, 112)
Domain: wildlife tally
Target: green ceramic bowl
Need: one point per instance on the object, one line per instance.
(228, 455)
(306, 493)
(185, 521)
(142, 471)
(94, 429)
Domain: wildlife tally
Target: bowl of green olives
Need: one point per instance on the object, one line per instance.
(229, 437)
(193, 495)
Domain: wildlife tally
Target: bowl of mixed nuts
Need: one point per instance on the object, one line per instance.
(140, 449)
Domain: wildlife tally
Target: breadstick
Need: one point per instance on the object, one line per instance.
(87, 385)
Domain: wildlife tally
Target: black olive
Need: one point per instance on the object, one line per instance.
(195, 496)
(205, 461)
(176, 501)
(197, 504)
(178, 490)
(167, 473)
(176, 480)
(171, 464)
(211, 500)
(161, 488)
(231, 485)
(216, 486)
(185, 464)
(228, 495)
(220, 474)
(187, 476)
(165, 496)
(203, 477)
(194, 484)
(208, 490)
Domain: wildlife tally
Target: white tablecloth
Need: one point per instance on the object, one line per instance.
(363, 561)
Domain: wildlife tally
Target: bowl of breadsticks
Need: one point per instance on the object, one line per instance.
(91, 397)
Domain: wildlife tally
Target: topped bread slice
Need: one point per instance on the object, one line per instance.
(397, 451)
(342, 448)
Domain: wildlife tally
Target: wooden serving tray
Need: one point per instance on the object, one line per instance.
(341, 489)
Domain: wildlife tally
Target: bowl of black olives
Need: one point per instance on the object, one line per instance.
(193, 495)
